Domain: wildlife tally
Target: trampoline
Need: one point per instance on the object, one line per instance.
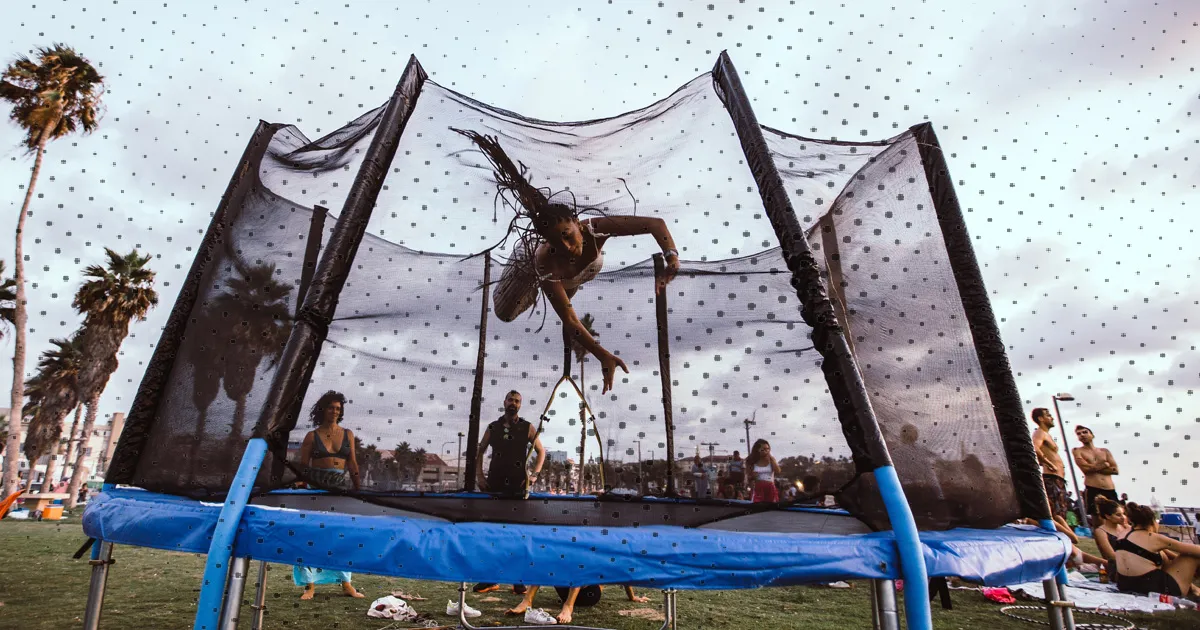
(827, 298)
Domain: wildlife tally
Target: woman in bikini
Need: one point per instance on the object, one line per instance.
(558, 252)
(327, 458)
(1141, 565)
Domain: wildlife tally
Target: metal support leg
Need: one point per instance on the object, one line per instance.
(670, 618)
(883, 592)
(1050, 589)
(101, 559)
(260, 597)
(874, 593)
(233, 597)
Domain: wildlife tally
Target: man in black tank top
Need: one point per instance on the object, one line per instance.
(509, 437)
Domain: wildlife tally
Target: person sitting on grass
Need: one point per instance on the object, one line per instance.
(571, 597)
(1141, 566)
(1113, 526)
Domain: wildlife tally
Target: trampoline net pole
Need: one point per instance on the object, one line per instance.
(985, 331)
(477, 388)
(664, 368)
(299, 356)
(829, 338)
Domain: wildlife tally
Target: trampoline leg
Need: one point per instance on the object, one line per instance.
(101, 559)
(233, 598)
(874, 593)
(462, 607)
(1050, 589)
(883, 604)
(670, 620)
(260, 597)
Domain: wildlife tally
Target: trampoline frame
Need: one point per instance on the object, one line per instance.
(225, 575)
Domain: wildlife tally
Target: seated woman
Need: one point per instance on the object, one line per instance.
(1141, 566)
(326, 456)
(559, 253)
(1113, 526)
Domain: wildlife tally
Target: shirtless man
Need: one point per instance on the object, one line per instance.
(1052, 467)
(1098, 467)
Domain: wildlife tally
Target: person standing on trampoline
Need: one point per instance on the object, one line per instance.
(558, 252)
(762, 468)
(326, 459)
(510, 437)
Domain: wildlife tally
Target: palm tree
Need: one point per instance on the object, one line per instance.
(52, 395)
(257, 321)
(111, 299)
(51, 97)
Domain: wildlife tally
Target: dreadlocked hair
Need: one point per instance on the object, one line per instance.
(532, 203)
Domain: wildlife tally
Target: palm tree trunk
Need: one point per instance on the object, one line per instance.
(51, 466)
(71, 440)
(235, 436)
(17, 398)
(77, 476)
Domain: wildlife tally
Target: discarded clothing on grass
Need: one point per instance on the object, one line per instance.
(394, 608)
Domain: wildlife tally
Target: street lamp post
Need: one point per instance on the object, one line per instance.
(1079, 499)
(641, 469)
(443, 449)
(458, 461)
(749, 422)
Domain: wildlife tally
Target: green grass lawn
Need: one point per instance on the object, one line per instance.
(42, 587)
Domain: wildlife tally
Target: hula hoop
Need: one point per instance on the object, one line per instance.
(1007, 611)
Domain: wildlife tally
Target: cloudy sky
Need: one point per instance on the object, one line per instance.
(1068, 127)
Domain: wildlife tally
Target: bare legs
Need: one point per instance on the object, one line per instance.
(564, 614)
(347, 589)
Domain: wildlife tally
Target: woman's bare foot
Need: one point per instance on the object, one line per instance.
(641, 599)
(564, 615)
(348, 589)
(309, 591)
(519, 609)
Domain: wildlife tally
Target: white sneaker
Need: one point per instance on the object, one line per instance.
(452, 609)
(539, 617)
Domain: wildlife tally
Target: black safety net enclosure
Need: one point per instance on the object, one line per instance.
(826, 300)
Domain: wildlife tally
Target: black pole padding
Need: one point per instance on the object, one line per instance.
(477, 391)
(145, 407)
(312, 323)
(664, 367)
(311, 251)
(845, 382)
(989, 347)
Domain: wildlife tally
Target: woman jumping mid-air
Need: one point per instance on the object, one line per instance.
(559, 252)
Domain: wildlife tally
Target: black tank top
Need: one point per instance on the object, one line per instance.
(510, 448)
(1124, 544)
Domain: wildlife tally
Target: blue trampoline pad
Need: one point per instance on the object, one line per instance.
(422, 548)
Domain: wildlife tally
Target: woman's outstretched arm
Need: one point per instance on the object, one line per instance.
(633, 226)
(578, 332)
